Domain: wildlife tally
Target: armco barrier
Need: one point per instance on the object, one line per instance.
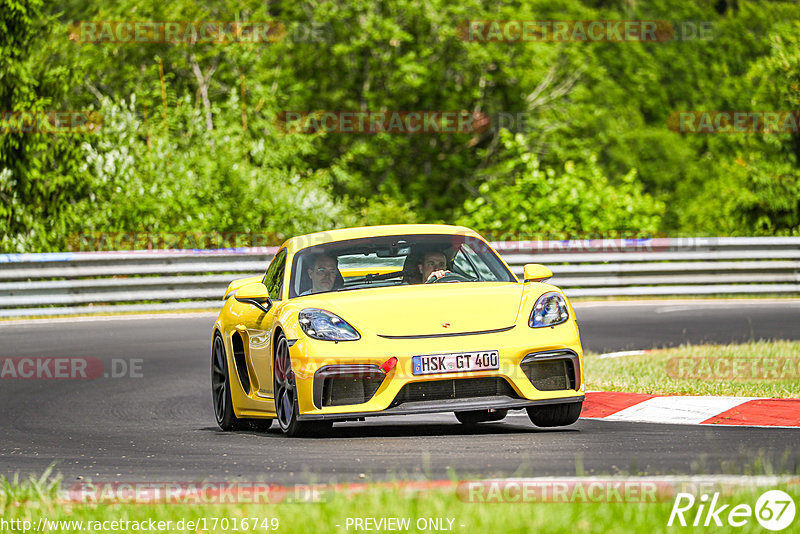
(81, 282)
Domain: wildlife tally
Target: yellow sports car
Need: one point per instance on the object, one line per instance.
(390, 320)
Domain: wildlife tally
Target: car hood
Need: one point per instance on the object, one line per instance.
(428, 309)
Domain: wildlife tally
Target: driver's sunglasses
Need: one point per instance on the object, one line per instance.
(436, 264)
(323, 271)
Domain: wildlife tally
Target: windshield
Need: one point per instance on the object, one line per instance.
(394, 260)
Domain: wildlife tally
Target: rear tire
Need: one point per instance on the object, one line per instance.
(221, 394)
(555, 414)
(221, 388)
(473, 417)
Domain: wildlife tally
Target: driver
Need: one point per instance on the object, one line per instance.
(323, 274)
(433, 265)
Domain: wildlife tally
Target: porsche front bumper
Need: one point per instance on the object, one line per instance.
(400, 392)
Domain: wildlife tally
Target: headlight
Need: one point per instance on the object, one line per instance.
(327, 326)
(550, 309)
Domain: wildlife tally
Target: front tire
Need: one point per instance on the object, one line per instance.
(286, 404)
(555, 414)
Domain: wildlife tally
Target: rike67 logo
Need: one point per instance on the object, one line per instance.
(774, 510)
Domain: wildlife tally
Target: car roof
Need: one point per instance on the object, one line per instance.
(342, 234)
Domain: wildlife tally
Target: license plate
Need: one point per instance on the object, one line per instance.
(428, 364)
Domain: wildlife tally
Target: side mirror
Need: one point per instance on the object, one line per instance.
(535, 272)
(255, 294)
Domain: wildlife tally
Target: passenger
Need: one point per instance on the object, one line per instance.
(411, 272)
(323, 274)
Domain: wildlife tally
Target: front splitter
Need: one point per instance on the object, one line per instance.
(452, 405)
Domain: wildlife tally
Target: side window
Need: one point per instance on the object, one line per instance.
(274, 277)
(471, 264)
(462, 265)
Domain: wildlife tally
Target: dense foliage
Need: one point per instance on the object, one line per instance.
(190, 140)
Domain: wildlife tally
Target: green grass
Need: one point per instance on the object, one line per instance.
(756, 369)
(33, 499)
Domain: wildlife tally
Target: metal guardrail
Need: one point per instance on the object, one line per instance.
(83, 282)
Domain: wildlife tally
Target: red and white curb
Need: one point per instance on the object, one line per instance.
(691, 410)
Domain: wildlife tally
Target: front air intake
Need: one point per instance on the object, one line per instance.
(340, 385)
(240, 361)
(552, 371)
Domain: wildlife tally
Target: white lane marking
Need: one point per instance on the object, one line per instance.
(103, 318)
(623, 353)
(678, 410)
(706, 307)
(670, 309)
(688, 303)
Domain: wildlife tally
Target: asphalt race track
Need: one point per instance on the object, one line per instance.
(160, 425)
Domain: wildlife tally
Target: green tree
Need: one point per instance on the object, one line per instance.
(522, 197)
(190, 141)
(253, 184)
(40, 180)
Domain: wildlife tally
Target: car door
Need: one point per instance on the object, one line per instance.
(258, 323)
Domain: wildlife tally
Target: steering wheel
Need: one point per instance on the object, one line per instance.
(448, 277)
